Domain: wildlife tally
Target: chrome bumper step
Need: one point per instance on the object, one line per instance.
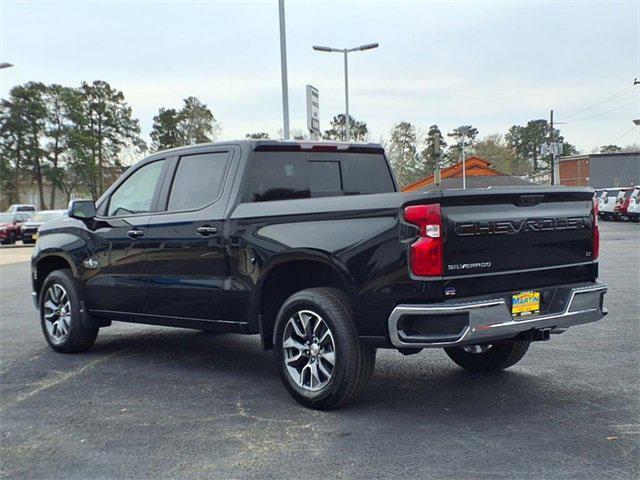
(490, 320)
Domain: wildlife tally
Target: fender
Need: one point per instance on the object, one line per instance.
(310, 255)
(303, 254)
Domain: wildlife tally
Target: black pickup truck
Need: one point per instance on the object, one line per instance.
(311, 246)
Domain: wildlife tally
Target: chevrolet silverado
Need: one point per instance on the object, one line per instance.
(312, 247)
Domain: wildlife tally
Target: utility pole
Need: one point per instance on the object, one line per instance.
(436, 154)
(464, 131)
(553, 150)
(283, 68)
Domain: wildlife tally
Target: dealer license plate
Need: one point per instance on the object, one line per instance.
(34, 236)
(525, 303)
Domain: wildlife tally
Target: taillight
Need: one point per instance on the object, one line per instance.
(425, 254)
(596, 232)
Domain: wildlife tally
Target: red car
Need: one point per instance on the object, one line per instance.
(622, 204)
(10, 224)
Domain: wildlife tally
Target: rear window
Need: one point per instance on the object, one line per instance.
(197, 181)
(292, 175)
(624, 194)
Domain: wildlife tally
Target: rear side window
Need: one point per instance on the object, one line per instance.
(292, 175)
(198, 181)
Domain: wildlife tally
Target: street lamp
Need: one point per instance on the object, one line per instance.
(346, 51)
(5, 65)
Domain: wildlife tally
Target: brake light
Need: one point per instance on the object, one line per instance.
(425, 254)
(596, 232)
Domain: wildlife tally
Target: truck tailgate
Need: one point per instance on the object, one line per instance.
(495, 232)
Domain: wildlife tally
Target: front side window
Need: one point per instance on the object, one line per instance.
(136, 193)
(198, 181)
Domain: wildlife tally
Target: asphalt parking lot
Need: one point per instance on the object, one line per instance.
(149, 402)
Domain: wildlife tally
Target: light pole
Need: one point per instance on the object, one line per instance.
(283, 70)
(5, 65)
(345, 52)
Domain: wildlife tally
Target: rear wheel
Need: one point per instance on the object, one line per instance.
(321, 361)
(486, 358)
(60, 314)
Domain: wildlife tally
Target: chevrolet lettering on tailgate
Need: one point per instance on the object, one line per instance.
(520, 226)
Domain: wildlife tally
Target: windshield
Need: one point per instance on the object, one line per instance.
(45, 216)
(6, 217)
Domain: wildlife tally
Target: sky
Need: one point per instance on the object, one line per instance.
(491, 64)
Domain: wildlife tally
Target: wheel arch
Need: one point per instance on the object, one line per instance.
(291, 273)
(46, 264)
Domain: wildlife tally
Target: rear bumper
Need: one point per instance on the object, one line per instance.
(483, 321)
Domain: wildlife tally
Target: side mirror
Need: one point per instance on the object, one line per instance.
(82, 209)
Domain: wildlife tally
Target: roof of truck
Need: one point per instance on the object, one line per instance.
(288, 145)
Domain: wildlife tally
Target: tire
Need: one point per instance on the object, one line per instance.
(353, 362)
(11, 239)
(497, 357)
(62, 326)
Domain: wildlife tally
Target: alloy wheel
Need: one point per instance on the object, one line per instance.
(309, 350)
(57, 312)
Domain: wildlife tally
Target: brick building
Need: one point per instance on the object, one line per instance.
(600, 170)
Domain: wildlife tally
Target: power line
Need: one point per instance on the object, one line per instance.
(625, 133)
(617, 107)
(610, 98)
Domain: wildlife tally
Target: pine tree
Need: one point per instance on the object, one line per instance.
(403, 154)
(359, 131)
(428, 154)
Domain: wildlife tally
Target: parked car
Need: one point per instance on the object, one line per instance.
(633, 210)
(622, 204)
(22, 208)
(10, 224)
(29, 229)
(607, 203)
(312, 247)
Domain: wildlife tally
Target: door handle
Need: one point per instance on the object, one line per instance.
(135, 233)
(206, 230)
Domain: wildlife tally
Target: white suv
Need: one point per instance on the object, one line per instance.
(633, 210)
(607, 203)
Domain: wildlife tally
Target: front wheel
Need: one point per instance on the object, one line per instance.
(60, 314)
(487, 358)
(321, 361)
